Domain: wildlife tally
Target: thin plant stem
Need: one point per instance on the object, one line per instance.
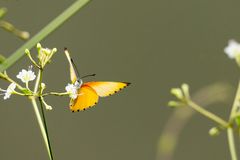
(46, 129)
(5, 77)
(231, 143)
(52, 26)
(55, 94)
(208, 114)
(236, 104)
(39, 118)
(43, 114)
(27, 85)
(230, 132)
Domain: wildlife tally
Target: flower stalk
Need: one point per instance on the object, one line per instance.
(208, 114)
(184, 99)
(232, 118)
(41, 120)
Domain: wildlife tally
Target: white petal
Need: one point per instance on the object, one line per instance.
(6, 96)
(11, 88)
(26, 76)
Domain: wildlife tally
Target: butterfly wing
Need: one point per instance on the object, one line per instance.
(73, 70)
(87, 98)
(104, 89)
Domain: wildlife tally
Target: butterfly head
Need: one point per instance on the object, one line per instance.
(78, 83)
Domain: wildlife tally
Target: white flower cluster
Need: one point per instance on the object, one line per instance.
(72, 89)
(25, 76)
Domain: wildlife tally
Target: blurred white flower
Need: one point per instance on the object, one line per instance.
(232, 49)
(72, 89)
(26, 76)
(7, 93)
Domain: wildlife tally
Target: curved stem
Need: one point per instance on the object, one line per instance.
(52, 26)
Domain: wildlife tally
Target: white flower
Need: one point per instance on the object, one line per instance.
(72, 89)
(233, 49)
(9, 91)
(26, 76)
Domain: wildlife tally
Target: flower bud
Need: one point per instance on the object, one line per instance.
(24, 35)
(174, 104)
(27, 51)
(177, 92)
(214, 131)
(43, 86)
(185, 89)
(39, 46)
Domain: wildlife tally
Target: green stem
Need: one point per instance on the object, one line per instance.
(231, 143)
(27, 85)
(236, 104)
(232, 117)
(52, 26)
(45, 125)
(55, 94)
(43, 114)
(32, 60)
(42, 123)
(5, 77)
(208, 114)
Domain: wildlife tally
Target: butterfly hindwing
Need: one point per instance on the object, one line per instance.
(87, 98)
(104, 89)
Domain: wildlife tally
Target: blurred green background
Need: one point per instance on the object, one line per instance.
(155, 45)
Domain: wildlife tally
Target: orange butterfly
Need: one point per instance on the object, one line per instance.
(88, 93)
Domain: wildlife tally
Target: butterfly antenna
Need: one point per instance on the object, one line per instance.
(90, 75)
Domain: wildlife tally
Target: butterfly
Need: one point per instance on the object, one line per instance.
(88, 93)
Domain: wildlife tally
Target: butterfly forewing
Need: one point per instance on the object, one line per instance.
(73, 71)
(104, 89)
